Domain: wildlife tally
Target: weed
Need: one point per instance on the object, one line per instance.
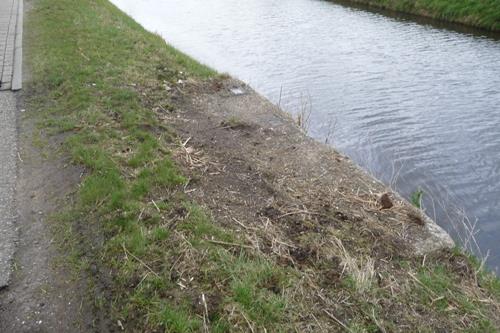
(361, 272)
(416, 198)
(178, 321)
(234, 123)
(305, 111)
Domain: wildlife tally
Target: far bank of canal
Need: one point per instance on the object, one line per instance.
(417, 105)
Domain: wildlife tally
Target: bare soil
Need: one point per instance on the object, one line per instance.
(296, 200)
(251, 165)
(44, 294)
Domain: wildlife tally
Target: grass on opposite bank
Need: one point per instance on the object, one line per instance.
(483, 14)
(167, 265)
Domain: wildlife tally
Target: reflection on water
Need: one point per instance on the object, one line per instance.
(403, 99)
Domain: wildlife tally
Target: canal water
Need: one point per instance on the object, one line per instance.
(417, 105)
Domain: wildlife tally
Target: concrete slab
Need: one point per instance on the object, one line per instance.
(17, 66)
(9, 10)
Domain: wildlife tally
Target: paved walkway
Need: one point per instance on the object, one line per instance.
(8, 160)
(9, 29)
(8, 20)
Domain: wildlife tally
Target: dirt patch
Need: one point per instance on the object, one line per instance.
(299, 202)
(44, 295)
(253, 167)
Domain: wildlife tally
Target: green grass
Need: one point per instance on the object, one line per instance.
(178, 321)
(87, 61)
(97, 77)
(483, 14)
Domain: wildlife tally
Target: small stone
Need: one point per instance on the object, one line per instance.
(385, 201)
(237, 91)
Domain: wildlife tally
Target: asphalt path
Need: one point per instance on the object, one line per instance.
(10, 61)
(8, 171)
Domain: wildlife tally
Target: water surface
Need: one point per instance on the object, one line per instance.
(415, 104)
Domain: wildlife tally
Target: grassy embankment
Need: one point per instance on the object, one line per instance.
(483, 14)
(163, 262)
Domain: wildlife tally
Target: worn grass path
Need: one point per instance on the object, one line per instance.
(42, 295)
(8, 137)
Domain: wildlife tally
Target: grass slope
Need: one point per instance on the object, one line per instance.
(483, 14)
(160, 262)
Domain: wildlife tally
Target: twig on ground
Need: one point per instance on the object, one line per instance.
(244, 226)
(185, 142)
(380, 327)
(283, 243)
(317, 322)
(228, 243)
(139, 260)
(336, 320)
(156, 206)
(206, 320)
(298, 212)
(420, 283)
(248, 322)
(140, 215)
